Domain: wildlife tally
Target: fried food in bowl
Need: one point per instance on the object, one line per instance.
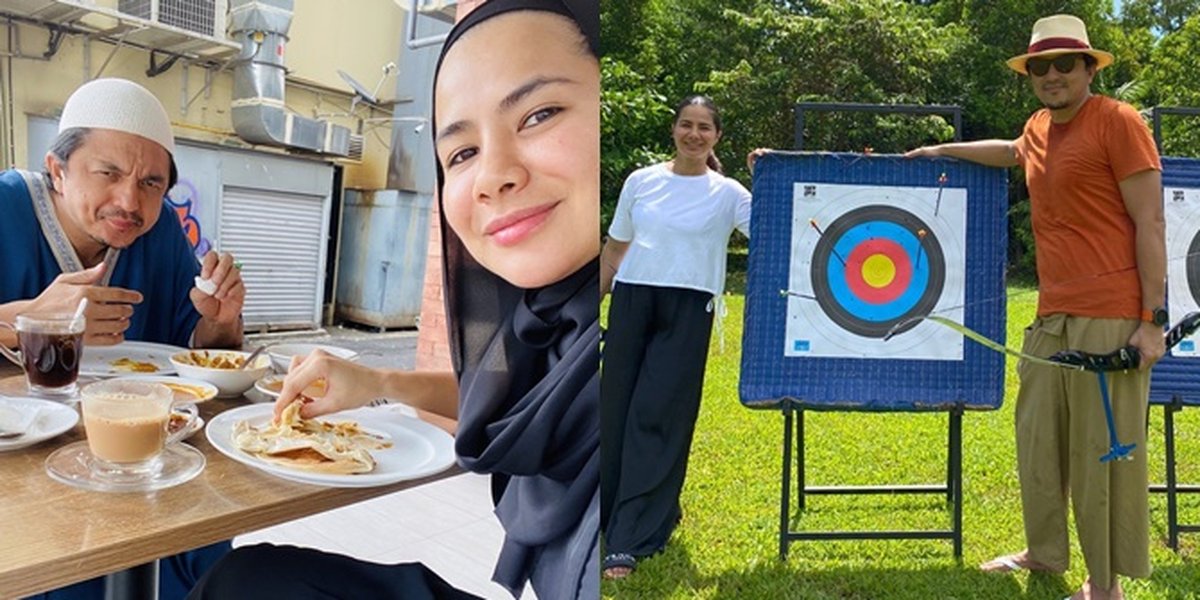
(221, 368)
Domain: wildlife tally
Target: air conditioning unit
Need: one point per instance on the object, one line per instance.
(203, 17)
(443, 10)
(357, 147)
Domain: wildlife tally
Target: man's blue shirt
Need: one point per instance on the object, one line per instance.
(159, 264)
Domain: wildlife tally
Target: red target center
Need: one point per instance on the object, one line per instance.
(878, 271)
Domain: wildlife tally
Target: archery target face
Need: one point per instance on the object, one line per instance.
(869, 258)
(1181, 209)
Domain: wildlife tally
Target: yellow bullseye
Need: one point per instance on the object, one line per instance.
(878, 270)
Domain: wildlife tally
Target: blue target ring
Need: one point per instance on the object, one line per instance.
(831, 278)
(838, 277)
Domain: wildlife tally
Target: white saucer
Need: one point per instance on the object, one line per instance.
(75, 466)
(52, 419)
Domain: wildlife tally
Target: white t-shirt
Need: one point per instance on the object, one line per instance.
(679, 226)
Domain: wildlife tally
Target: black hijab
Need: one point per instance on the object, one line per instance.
(527, 362)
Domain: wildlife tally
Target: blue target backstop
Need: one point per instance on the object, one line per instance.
(1173, 376)
(774, 367)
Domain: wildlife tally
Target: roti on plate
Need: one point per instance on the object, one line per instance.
(309, 444)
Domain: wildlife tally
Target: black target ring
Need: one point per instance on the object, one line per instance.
(1193, 268)
(868, 223)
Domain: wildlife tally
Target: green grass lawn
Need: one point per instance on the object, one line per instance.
(727, 545)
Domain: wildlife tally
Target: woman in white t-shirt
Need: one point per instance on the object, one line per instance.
(666, 254)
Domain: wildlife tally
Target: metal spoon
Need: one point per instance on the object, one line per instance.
(253, 355)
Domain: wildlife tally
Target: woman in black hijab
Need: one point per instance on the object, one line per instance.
(516, 130)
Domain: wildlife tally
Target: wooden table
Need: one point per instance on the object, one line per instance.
(53, 535)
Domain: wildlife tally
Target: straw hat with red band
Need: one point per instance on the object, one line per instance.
(1055, 35)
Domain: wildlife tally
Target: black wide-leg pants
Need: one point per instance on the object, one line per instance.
(650, 386)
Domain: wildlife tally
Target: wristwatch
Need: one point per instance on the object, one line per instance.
(1158, 316)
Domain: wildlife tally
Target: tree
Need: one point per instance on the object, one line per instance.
(1172, 78)
(633, 119)
(757, 58)
(1162, 16)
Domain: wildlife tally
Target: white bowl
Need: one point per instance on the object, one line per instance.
(281, 354)
(230, 382)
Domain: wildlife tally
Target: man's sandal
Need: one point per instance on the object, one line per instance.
(1008, 564)
(1001, 564)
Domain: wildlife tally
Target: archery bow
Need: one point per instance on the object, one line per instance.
(978, 338)
(1127, 357)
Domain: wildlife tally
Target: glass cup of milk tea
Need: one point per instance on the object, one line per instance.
(126, 423)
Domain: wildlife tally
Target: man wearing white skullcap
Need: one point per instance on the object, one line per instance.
(94, 225)
(1095, 188)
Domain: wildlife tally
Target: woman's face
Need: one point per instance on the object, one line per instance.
(518, 116)
(695, 132)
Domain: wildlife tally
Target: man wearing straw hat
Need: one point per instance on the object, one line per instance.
(1094, 181)
(95, 226)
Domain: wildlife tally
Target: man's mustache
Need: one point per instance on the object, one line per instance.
(109, 213)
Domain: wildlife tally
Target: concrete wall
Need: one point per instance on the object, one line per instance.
(433, 348)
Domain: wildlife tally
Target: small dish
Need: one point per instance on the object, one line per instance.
(272, 385)
(186, 389)
(53, 419)
(281, 354)
(181, 419)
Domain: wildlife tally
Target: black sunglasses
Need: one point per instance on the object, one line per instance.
(1064, 64)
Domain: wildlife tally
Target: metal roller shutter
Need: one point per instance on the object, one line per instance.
(280, 240)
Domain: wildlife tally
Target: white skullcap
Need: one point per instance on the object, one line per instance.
(120, 105)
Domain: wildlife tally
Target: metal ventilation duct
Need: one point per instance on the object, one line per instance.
(259, 115)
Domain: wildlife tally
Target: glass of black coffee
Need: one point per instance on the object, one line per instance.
(50, 348)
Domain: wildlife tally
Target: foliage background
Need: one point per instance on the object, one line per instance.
(757, 58)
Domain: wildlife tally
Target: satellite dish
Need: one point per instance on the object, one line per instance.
(358, 88)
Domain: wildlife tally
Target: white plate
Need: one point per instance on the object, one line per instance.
(97, 360)
(53, 419)
(418, 448)
(209, 390)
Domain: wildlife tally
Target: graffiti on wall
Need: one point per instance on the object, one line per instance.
(184, 198)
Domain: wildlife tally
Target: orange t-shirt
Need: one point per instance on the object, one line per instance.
(1084, 238)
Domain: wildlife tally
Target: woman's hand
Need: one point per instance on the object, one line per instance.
(347, 385)
(753, 156)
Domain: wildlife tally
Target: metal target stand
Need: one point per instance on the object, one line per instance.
(793, 410)
(1172, 488)
(952, 489)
